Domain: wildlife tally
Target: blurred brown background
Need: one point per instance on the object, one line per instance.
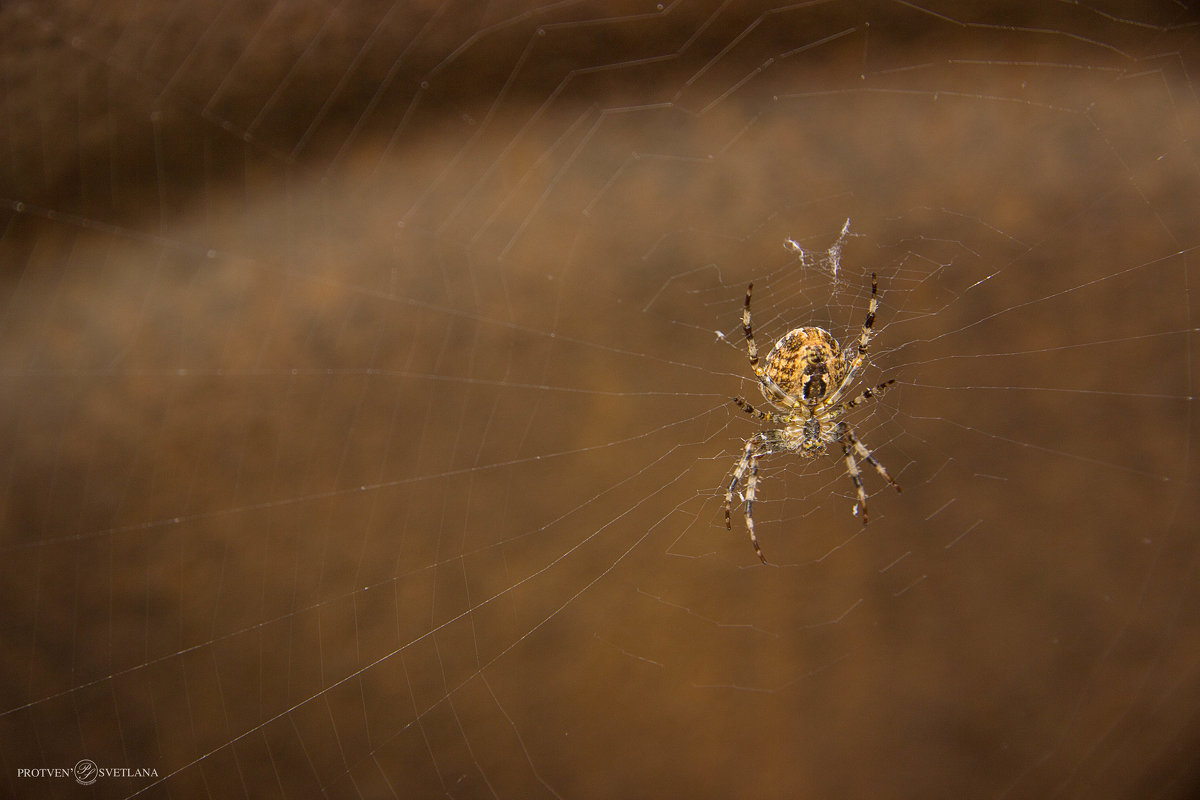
(366, 415)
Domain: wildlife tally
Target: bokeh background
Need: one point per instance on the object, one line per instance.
(365, 373)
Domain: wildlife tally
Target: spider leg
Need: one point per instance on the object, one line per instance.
(849, 440)
(765, 415)
(863, 339)
(755, 447)
(865, 455)
(870, 321)
(782, 398)
(856, 476)
(867, 394)
(751, 348)
(740, 470)
(751, 489)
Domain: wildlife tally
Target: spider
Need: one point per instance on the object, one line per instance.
(804, 379)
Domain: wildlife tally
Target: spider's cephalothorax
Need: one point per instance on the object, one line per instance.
(805, 377)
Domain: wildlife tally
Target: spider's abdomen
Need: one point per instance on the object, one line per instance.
(806, 363)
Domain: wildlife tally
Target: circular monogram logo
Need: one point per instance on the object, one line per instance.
(86, 771)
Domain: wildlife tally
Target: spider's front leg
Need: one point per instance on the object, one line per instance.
(849, 440)
(749, 456)
(756, 446)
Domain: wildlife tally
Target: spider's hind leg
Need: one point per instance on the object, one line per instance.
(748, 329)
(873, 307)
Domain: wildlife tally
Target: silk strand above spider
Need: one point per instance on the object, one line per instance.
(805, 378)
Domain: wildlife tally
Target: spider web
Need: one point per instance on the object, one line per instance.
(366, 374)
